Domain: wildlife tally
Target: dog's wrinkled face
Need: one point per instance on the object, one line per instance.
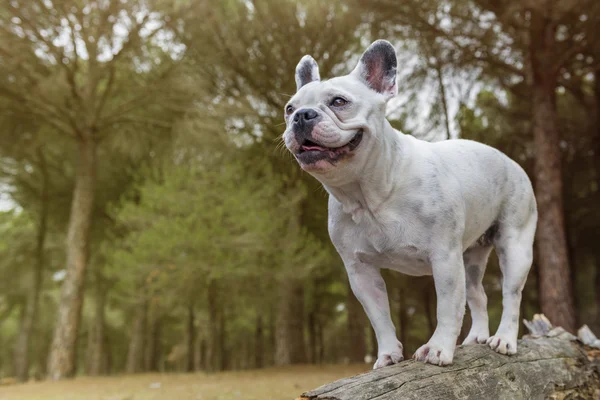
(331, 125)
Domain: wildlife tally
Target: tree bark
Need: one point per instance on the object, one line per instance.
(357, 349)
(96, 366)
(108, 355)
(320, 342)
(290, 347)
(312, 337)
(297, 323)
(222, 340)
(597, 294)
(272, 338)
(153, 346)
(212, 358)
(42, 351)
(61, 363)
(282, 331)
(23, 343)
(429, 312)
(597, 139)
(135, 352)
(259, 343)
(597, 167)
(556, 297)
(402, 313)
(190, 338)
(200, 353)
(542, 368)
(440, 78)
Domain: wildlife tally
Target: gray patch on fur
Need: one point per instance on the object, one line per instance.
(428, 220)
(501, 253)
(473, 275)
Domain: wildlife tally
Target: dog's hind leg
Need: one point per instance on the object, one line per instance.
(475, 259)
(514, 247)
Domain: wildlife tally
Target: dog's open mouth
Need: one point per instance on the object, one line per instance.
(311, 152)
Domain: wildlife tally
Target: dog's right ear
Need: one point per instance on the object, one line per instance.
(307, 71)
(377, 68)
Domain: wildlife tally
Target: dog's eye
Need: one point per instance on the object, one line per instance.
(289, 109)
(339, 102)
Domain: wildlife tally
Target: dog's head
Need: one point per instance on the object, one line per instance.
(331, 126)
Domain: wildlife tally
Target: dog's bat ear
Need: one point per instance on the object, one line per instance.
(307, 71)
(377, 68)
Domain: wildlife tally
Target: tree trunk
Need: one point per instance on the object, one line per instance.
(440, 77)
(290, 323)
(96, 366)
(152, 352)
(320, 342)
(61, 363)
(312, 336)
(597, 165)
(89, 346)
(282, 331)
(542, 369)
(108, 355)
(429, 312)
(259, 343)
(402, 313)
(190, 338)
(597, 293)
(272, 340)
(212, 358)
(555, 288)
(597, 139)
(356, 328)
(23, 343)
(222, 340)
(297, 324)
(199, 352)
(135, 352)
(42, 351)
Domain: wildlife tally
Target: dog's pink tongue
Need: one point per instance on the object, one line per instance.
(309, 148)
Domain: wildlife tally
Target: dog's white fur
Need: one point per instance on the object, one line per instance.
(417, 207)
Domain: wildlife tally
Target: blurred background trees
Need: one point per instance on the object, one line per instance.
(154, 222)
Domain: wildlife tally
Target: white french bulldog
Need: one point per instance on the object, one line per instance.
(416, 207)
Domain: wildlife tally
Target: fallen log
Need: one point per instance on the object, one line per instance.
(550, 364)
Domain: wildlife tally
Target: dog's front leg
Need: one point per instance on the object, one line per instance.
(449, 278)
(369, 288)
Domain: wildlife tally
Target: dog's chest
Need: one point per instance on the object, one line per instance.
(387, 245)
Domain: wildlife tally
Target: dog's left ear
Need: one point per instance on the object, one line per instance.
(377, 68)
(307, 71)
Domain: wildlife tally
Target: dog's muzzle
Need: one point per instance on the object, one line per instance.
(304, 121)
(311, 152)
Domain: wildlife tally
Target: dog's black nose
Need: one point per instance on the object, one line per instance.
(305, 114)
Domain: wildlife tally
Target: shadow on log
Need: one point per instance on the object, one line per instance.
(550, 364)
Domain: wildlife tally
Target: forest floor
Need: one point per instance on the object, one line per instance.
(271, 383)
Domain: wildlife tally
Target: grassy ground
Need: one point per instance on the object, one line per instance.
(268, 384)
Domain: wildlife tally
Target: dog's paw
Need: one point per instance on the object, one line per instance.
(390, 356)
(476, 338)
(434, 353)
(502, 344)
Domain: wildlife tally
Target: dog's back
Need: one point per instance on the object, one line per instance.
(495, 189)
